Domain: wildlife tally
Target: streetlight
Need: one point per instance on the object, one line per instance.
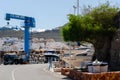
(74, 9)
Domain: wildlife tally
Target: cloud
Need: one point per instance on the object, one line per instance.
(38, 30)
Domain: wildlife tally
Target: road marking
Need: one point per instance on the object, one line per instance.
(13, 73)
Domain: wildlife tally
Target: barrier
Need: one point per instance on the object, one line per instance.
(78, 75)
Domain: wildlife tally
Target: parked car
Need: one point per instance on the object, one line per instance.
(10, 59)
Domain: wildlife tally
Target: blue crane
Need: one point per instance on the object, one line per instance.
(29, 22)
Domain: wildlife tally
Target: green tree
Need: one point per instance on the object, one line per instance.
(97, 26)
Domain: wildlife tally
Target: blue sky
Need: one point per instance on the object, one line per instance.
(47, 13)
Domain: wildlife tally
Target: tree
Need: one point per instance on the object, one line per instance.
(96, 27)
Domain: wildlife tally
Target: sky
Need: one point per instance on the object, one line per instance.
(48, 14)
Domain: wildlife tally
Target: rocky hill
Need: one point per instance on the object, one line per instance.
(48, 34)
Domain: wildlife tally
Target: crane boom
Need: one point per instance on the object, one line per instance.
(29, 22)
(14, 16)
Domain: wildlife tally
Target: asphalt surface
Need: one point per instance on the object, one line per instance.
(28, 72)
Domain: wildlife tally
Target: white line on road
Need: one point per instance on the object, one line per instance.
(13, 73)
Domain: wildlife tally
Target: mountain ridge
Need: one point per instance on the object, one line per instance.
(19, 33)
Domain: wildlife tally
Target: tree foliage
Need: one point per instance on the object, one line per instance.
(96, 24)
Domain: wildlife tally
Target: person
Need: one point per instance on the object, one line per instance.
(50, 62)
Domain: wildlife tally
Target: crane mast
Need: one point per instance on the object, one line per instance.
(29, 22)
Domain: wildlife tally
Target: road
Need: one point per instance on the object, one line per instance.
(28, 72)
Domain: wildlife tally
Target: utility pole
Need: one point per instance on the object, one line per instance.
(77, 7)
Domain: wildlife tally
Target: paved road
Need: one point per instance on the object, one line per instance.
(28, 72)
